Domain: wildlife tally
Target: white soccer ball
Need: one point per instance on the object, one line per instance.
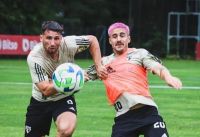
(68, 78)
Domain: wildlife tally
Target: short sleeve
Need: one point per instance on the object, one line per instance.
(149, 60)
(38, 73)
(76, 44)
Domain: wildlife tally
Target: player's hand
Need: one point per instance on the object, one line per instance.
(174, 82)
(102, 72)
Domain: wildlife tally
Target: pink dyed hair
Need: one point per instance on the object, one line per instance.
(118, 25)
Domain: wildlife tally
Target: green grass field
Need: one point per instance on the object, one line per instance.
(180, 109)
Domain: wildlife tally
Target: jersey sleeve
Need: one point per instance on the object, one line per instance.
(149, 60)
(76, 44)
(91, 70)
(92, 73)
(38, 74)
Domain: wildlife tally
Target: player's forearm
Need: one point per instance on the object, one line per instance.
(46, 88)
(164, 73)
(168, 78)
(95, 50)
(49, 91)
(96, 55)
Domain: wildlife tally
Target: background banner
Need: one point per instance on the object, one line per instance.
(17, 44)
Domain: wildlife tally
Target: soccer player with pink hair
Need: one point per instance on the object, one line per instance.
(127, 86)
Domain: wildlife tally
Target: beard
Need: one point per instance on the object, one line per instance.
(51, 50)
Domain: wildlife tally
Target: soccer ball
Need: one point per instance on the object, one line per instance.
(68, 78)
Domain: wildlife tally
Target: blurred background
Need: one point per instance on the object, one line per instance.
(167, 28)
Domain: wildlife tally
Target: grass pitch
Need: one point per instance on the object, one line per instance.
(180, 109)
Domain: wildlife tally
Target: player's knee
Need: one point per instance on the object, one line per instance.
(65, 131)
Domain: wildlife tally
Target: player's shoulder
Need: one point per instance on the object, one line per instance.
(106, 59)
(38, 47)
(141, 51)
(35, 53)
(73, 40)
(145, 54)
(137, 53)
(74, 37)
(69, 37)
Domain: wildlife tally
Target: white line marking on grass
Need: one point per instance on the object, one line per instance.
(166, 87)
(15, 83)
(151, 86)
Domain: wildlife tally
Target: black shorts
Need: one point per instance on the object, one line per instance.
(142, 121)
(39, 115)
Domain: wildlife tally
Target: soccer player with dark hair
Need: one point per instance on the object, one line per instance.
(46, 103)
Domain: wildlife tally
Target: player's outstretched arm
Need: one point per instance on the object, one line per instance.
(96, 55)
(171, 80)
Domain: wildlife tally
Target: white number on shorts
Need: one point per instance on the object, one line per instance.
(159, 125)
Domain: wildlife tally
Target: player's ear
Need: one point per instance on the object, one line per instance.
(41, 38)
(129, 39)
(110, 41)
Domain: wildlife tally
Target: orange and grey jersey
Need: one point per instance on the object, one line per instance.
(42, 66)
(127, 82)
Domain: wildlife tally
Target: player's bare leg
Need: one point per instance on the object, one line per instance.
(66, 123)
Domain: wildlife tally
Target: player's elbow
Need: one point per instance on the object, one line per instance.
(46, 89)
(92, 37)
(93, 40)
(48, 92)
(45, 93)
